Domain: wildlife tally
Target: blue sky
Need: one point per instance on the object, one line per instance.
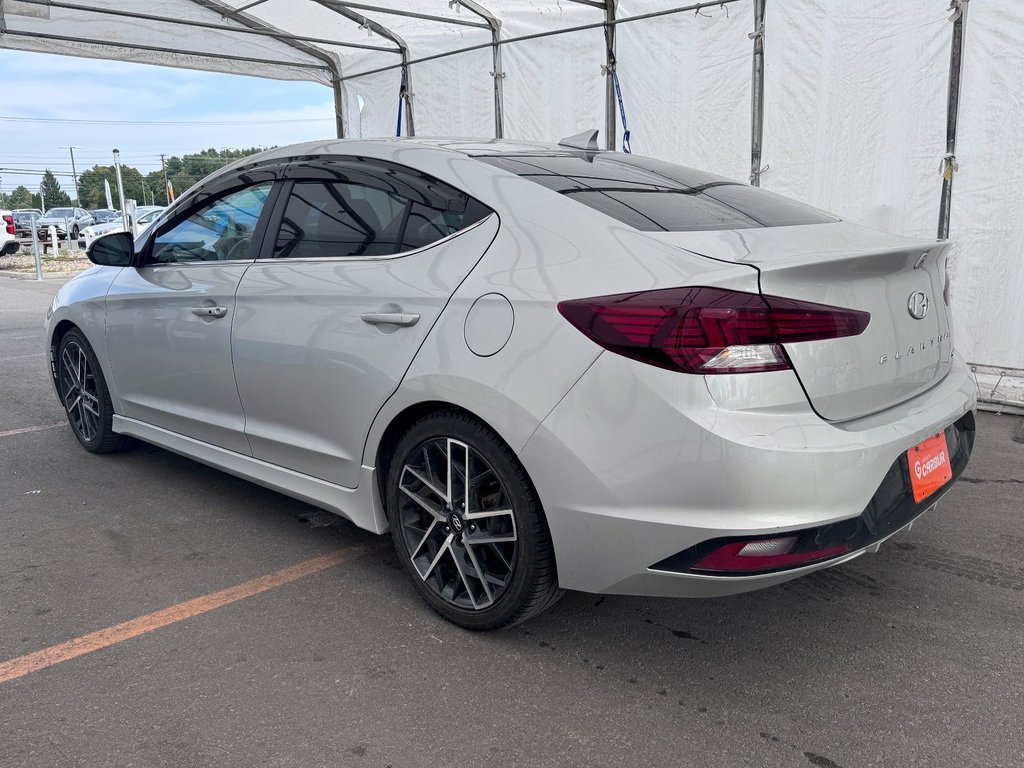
(88, 89)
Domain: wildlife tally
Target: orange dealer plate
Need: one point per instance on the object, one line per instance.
(929, 466)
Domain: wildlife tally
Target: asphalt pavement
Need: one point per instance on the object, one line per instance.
(908, 657)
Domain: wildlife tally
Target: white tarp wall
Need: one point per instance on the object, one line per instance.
(855, 103)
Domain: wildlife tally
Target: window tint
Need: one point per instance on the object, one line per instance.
(219, 231)
(655, 196)
(369, 214)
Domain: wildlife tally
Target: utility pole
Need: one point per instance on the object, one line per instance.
(74, 173)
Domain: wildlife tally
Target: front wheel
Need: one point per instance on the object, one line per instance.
(83, 391)
(467, 524)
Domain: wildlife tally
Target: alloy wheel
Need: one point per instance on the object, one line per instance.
(457, 523)
(78, 391)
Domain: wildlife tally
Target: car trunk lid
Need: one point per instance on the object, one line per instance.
(907, 345)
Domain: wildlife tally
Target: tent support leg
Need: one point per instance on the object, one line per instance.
(609, 74)
(339, 104)
(498, 73)
(410, 126)
(757, 95)
(499, 92)
(949, 164)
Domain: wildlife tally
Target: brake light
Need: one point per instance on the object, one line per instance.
(708, 330)
(763, 555)
(9, 222)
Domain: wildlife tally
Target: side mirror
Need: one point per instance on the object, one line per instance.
(113, 250)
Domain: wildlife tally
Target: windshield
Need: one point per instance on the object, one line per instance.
(60, 213)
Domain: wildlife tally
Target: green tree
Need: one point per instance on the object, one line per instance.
(55, 196)
(93, 195)
(21, 198)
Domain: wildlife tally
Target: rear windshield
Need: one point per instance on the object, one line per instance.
(655, 196)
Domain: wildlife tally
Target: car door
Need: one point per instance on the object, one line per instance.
(169, 319)
(360, 259)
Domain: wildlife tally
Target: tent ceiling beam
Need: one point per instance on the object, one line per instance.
(408, 14)
(256, 28)
(161, 49)
(546, 33)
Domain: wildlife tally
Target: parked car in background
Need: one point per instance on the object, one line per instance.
(75, 219)
(8, 241)
(23, 220)
(105, 215)
(145, 215)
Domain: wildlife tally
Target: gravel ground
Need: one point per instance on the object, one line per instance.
(64, 261)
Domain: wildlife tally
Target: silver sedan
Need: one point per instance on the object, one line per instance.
(539, 366)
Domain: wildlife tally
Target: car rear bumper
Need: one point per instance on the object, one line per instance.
(637, 468)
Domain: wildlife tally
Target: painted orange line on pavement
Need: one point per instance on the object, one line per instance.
(104, 638)
(24, 430)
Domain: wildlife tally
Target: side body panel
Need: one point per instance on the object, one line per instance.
(311, 373)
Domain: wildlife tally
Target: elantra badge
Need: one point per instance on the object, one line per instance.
(917, 305)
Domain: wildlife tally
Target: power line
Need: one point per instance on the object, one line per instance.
(25, 119)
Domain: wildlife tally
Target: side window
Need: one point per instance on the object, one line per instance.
(222, 230)
(330, 219)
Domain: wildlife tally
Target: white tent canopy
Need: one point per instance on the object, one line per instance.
(853, 117)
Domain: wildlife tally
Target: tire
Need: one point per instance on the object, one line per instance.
(484, 567)
(85, 396)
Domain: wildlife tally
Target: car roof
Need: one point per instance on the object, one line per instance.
(466, 146)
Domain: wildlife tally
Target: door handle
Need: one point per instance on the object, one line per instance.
(404, 319)
(210, 311)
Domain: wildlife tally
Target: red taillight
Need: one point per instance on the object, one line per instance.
(708, 330)
(762, 555)
(9, 221)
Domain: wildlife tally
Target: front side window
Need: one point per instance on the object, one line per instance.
(219, 231)
(362, 215)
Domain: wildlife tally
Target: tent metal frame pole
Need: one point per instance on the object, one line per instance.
(255, 26)
(332, 62)
(335, 4)
(757, 95)
(406, 94)
(498, 72)
(548, 33)
(174, 51)
(949, 163)
(609, 74)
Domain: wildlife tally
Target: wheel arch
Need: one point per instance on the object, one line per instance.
(59, 331)
(397, 424)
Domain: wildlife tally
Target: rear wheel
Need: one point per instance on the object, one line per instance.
(467, 524)
(83, 391)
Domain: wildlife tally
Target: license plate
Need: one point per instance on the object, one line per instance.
(929, 466)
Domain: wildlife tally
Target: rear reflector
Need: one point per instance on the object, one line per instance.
(708, 330)
(762, 555)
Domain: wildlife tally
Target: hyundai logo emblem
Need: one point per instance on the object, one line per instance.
(917, 305)
(456, 524)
